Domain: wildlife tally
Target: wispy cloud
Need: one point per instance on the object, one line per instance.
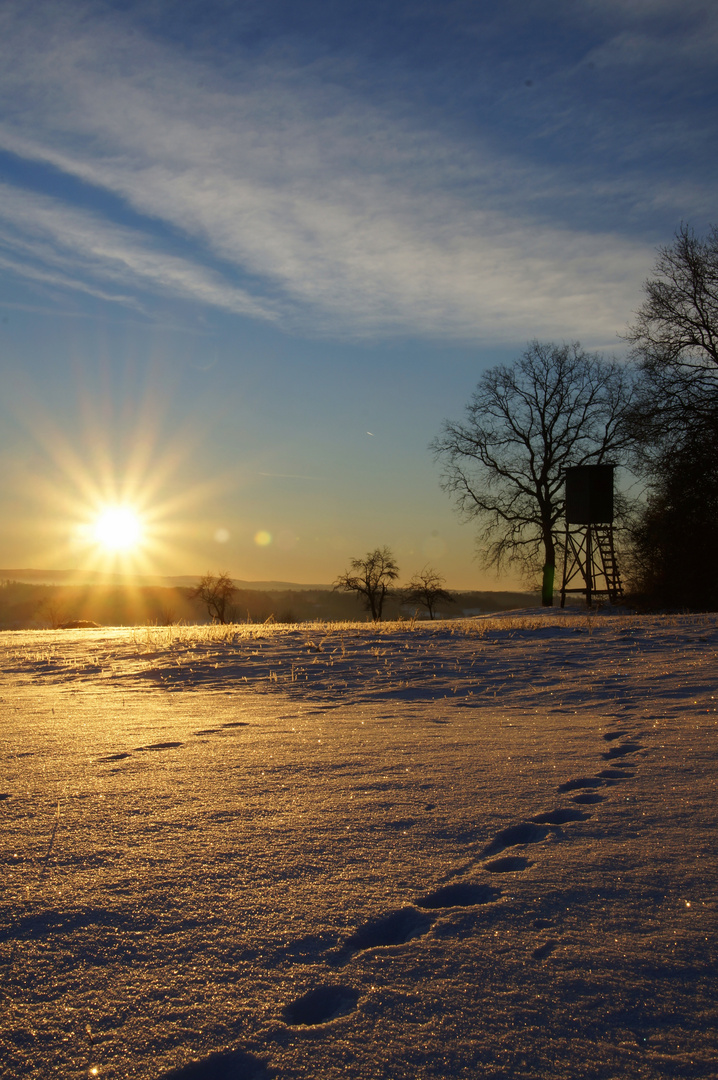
(298, 201)
(46, 241)
(661, 34)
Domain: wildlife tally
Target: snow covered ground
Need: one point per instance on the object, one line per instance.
(482, 848)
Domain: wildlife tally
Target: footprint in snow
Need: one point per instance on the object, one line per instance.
(560, 816)
(463, 894)
(321, 1005)
(4, 795)
(611, 735)
(158, 746)
(114, 757)
(234, 1065)
(525, 833)
(236, 723)
(207, 731)
(581, 782)
(544, 950)
(396, 928)
(621, 751)
(400, 824)
(588, 798)
(508, 864)
(616, 774)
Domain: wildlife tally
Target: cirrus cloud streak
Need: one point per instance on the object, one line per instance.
(273, 192)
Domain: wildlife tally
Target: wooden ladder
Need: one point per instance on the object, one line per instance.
(604, 541)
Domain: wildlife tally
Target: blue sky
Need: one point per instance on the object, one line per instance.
(236, 238)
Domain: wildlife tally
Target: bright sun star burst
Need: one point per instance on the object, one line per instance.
(118, 528)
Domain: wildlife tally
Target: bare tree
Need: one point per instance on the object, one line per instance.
(677, 324)
(370, 577)
(426, 588)
(215, 592)
(53, 609)
(505, 465)
(675, 343)
(675, 424)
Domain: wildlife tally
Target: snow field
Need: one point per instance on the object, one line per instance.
(477, 849)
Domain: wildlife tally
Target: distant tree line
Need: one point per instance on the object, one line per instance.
(25, 605)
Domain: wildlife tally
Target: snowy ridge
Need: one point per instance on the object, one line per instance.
(479, 848)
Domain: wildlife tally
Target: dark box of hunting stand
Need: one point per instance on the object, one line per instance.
(589, 494)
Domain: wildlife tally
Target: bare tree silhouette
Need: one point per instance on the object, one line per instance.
(675, 343)
(215, 592)
(675, 425)
(426, 588)
(505, 465)
(370, 577)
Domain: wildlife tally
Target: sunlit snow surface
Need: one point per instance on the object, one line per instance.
(473, 849)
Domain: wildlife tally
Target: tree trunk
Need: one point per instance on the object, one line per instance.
(549, 570)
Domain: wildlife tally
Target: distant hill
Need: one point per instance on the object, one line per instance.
(186, 581)
(181, 581)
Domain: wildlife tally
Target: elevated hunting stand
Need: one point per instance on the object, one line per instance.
(590, 554)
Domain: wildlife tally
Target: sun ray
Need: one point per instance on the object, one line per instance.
(120, 505)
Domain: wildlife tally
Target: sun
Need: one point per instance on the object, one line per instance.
(118, 528)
